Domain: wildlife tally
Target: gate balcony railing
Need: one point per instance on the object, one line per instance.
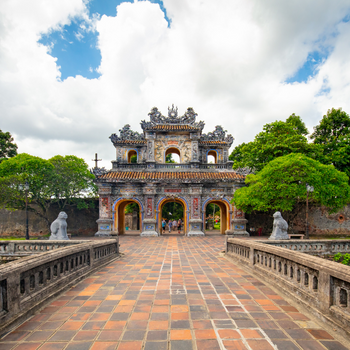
(153, 165)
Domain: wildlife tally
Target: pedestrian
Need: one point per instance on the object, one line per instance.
(174, 225)
(170, 223)
(163, 225)
(179, 224)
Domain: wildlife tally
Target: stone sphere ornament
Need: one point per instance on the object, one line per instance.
(59, 228)
(280, 227)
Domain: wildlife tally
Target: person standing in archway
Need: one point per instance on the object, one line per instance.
(163, 225)
(174, 225)
(179, 224)
(170, 224)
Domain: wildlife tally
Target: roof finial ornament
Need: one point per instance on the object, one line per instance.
(172, 113)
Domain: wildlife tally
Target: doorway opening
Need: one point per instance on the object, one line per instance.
(132, 156)
(128, 218)
(172, 210)
(216, 217)
(212, 157)
(172, 155)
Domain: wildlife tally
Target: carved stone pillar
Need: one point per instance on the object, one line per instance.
(195, 222)
(105, 221)
(149, 222)
(239, 223)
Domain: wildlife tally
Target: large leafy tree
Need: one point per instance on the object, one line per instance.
(71, 181)
(281, 185)
(333, 133)
(38, 173)
(64, 180)
(276, 140)
(8, 149)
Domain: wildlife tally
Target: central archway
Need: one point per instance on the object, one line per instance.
(172, 155)
(224, 221)
(119, 216)
(184, 219)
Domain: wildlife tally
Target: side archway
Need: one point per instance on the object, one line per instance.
(212, 156)
(159, 207)
(119, 213)
(225, 217)
(132, 156)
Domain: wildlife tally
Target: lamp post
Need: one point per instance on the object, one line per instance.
(26, 189)
(308, 189)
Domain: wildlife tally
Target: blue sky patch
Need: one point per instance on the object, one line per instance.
(310, 67)
(75, 46)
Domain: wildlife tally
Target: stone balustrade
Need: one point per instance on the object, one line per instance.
(315, 247)
(52, 266)
(320, 285)
(16, 247)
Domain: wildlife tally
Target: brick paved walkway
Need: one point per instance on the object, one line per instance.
(172, 293)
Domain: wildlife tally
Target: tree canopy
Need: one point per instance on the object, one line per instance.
(8, 149)
(276, 140)
(63, 180)
(281, 185)
(333, 133)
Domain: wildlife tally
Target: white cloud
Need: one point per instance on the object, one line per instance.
(226, 59)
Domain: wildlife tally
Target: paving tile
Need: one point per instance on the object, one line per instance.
(78, 346)
(208, 345)
(285, 345)
(109, 335)
(260, 344)
(235, 345)
(333, 345)
(319, 334)
(27, 346)
(133, 345)
(157, 335)
(310, 345)
(85, 335)
(181, 345)
(53, 346)
(104, 346)
(156, 346)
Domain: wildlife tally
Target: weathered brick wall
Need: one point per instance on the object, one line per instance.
(80, 222)
(321, 223)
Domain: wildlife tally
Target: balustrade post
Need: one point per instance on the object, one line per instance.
(252, 257)
(325, 292)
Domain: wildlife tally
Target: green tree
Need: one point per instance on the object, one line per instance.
(169, 158)
(8, 149)
(281, 185)
(64, 180)
(71, 182)
(333, 133)
(38, 173)
(276, 140)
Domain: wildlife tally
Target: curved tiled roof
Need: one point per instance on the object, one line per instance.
(130, 142)
(171, 175)
(217, 143)
(173, 127)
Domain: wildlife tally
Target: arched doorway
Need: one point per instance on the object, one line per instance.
(172, 155)
(170, 209)
(132, 156)
(122, 208)
(212, 157)
(216, 216)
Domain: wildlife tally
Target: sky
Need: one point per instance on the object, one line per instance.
(72, 72)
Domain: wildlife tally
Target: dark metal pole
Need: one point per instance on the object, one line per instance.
(307, 215)
(27, 230)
